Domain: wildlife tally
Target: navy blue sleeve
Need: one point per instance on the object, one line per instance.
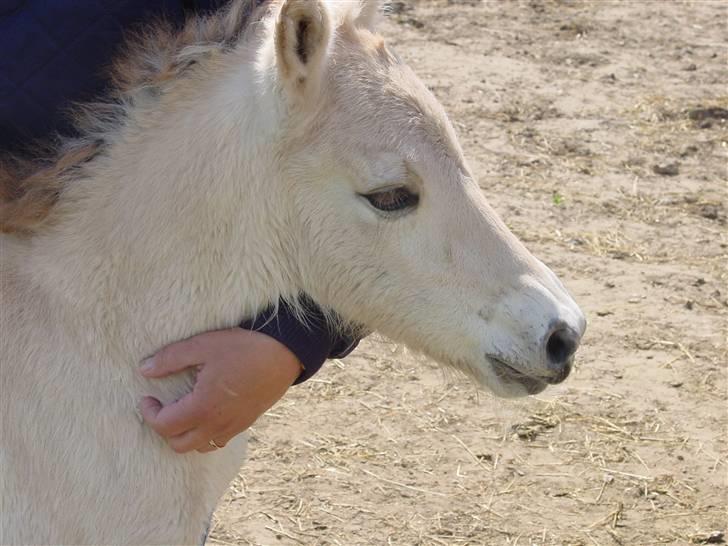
(312, 342)
(55, 53)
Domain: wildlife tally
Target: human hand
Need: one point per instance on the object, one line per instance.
(240, 375)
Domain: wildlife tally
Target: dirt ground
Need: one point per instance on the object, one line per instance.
(599, 131)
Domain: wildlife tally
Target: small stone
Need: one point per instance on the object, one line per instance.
(715, 112)
(716, 537)
(711, 211)
(666, 169)
(692, 67)
(414, 22)
(689, 150)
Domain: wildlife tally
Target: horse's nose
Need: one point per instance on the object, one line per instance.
(561, 345)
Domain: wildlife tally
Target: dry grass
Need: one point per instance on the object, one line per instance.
(419, 467)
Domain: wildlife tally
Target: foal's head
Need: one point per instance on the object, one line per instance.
(393, 231)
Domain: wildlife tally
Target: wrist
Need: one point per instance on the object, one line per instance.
(310, 342)
(284, 361)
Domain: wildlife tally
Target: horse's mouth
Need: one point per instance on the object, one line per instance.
(509, 374)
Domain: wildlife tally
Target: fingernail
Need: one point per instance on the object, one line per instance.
(147, 364)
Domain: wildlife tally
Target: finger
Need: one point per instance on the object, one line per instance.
(149, 407)
(175, 358)
(208, 447)
(221, 437)
(173, 419)
(197, 439)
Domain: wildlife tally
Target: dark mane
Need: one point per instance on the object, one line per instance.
(154, 56)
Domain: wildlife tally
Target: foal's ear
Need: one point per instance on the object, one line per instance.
(302, 37)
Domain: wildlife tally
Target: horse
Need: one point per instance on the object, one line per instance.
(259, 154)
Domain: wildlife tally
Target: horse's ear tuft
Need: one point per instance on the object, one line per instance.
(302, 38)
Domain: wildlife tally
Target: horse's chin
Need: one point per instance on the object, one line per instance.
(518, 388)
(506, 382)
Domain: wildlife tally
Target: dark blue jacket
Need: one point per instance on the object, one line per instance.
(54, 52)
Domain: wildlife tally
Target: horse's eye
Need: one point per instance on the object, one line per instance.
(394, 199)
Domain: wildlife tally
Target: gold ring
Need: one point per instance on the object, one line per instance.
(213, 444)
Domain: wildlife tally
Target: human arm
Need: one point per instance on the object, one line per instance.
(241, 374)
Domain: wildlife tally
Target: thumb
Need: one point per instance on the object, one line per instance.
(173, 358)
(149, 408)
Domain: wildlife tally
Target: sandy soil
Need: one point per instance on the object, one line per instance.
(590, 128)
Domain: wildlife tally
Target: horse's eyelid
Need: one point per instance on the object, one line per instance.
(386, 189)
(410, 201)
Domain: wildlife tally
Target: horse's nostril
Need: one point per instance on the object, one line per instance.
(562, 373)
(560, 347)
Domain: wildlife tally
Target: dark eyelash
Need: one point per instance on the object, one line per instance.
(393, 199)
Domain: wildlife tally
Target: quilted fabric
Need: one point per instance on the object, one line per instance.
(53, 52)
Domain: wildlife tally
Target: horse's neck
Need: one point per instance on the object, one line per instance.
(175, 231)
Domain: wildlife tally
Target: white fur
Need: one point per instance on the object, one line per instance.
(219, 197)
